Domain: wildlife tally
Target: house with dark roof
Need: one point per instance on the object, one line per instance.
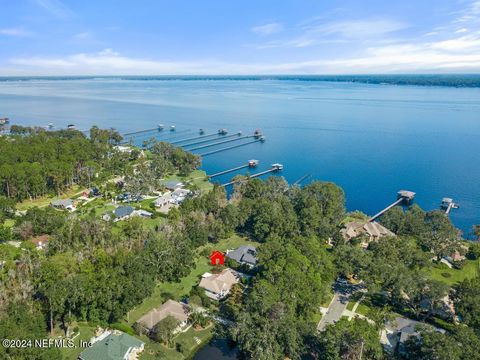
(113, 345)
(63, 204)
(245, 255)
(172, 185)
(123, 213)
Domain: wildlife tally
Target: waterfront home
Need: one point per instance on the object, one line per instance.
(172, 185)
(63, 204)
(372, 231)
(123, 213)
(217, 286)
(245, 255)
(179, 195)
(172, 308)
(171, 198)
(123, 149)
(113, 345)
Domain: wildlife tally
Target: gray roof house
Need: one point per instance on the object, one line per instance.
(245, 254)
(123, 212)
(172, 184)
(62, 204)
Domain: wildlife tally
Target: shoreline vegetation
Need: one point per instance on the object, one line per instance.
(90, 271)
(442, 80)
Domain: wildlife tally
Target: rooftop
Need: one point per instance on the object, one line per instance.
(116, 346)
(169, 308)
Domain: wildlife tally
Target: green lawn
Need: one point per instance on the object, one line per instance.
(196, 177)
(177, 289)
(439, 272)
(350, 305)
(154, 350)
(362, 309)
(183, 288)
(44, 201)
(86, 333)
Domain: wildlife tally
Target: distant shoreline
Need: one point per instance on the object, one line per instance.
(444, 80)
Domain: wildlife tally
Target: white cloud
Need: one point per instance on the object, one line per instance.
(460, 31)
(315, 31)
(83, 36)
(268, 29)
(428, 57)
(357, 29)
(18, 32)
(54, 7)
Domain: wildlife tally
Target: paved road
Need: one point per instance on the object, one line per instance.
(338, 305)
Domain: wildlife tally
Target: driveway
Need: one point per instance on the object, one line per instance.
(343, 291)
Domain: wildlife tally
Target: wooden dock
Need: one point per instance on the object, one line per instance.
(250, 164)
(143, 131)
(208, 140)
(220, 142)
(194, 138)
(302, 179)
(403, 196)
(167, 133)
(274, 168)
(447, 205)
(231, 147)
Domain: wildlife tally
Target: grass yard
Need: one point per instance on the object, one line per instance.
(46, 200)
(186, 341)
(177, 289)
(196, 177)
(86, 333)
(183, 288)
(363, 309)
(451, 277)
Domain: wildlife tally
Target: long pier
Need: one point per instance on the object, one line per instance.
(143, 131)
(231, 147)
(274, 168)
(303, 178)
(403, 196)
(140, 136)
(208, 140)
(221, 142)
(250, 164)
(194, 138)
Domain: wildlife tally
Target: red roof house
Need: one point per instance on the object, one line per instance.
(217, 258)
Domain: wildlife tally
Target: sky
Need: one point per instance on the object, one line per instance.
(179, 37)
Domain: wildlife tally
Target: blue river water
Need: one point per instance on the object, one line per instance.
(372, 140)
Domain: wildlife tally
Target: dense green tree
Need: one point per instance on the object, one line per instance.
(164, 331)
(320, 207)
(23, 321)
(462, 344)
(7, 208)
(466, 297)
(355, 339)
(440, 236)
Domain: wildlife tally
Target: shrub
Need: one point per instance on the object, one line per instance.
(123, 327)
(446, 274)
